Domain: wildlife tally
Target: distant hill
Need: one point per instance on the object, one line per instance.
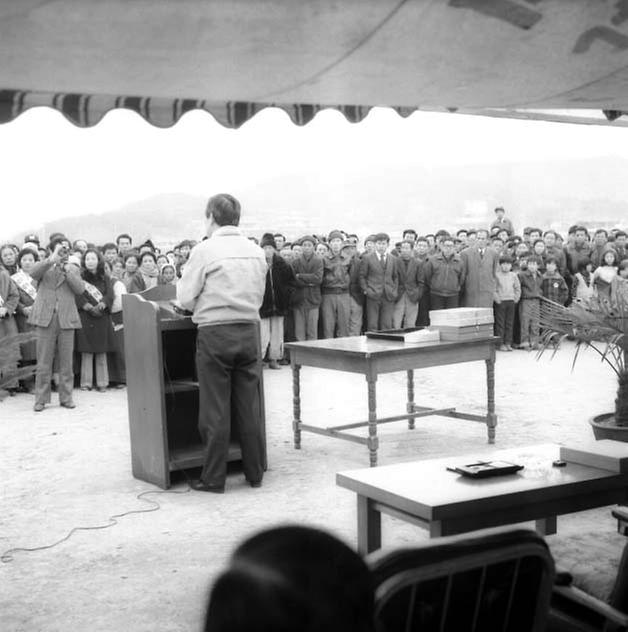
(386, 197)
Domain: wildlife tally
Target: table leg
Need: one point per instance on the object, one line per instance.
(410, 404)
(436, 529)
(546, 526)
(369, 526)
(296, 405)
(372, 441)
(491, 417)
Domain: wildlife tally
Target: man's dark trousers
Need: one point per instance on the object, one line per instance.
(443, 302)
(229, 367)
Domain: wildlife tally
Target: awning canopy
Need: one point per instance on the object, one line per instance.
(235, 57)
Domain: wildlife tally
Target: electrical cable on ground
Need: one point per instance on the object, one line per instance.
(7, 556)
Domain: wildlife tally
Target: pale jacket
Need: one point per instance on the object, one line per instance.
(58, 285)
(224, 279)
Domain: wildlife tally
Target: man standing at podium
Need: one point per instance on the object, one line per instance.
(223, 285)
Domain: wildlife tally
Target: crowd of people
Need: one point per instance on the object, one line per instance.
(69, 293)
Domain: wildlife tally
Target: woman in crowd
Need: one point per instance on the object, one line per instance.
(582, 290)
(147, 275)
(605, 273)
(95, 338)
(115, 359)
(27, 289)
(131, 266)
(8, 258)
(9, 298)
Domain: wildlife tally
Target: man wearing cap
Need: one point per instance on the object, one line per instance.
(335, 302)
(31, 239)
(223, 285)
(308, 272)
(501, 222)
(379, 280)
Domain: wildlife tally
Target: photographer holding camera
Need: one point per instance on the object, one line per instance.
(56, 317)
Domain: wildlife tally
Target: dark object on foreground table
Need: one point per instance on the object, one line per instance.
(290, 579)
(500, 581)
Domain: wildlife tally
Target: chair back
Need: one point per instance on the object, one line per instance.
(500, 581)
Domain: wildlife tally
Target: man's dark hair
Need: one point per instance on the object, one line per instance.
(123, 236)
(292, 578)
(621, 233)
(224, 208)
(55, 239)
(108, 246)
(499, 208)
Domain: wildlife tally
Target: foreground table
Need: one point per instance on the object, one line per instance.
(426, 494)
(370, 357)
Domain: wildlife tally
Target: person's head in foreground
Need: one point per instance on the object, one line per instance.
(292, 579)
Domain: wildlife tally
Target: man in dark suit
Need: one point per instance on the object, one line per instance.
(379, 280)
(407, 305)
(56, 317)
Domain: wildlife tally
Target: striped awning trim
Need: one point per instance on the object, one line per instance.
(86, 110)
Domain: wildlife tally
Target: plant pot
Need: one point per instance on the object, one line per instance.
(604, 428)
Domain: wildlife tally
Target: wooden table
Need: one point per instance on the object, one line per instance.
(426, 494)
(370, 357)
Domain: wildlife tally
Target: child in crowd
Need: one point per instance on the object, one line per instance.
(582, 288)
(522, 252)
(604, 274)
(538, 249)
(530, 304)
(167, 274)
(553, 285)
(507, 295)
(619, 287)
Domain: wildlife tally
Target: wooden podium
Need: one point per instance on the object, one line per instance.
(162, 388)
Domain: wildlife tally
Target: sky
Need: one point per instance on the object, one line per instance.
(52, 169)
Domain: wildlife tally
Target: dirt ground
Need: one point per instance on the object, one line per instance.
(62, 469)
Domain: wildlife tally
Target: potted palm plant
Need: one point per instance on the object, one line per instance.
(9, 351)
(602, 327)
